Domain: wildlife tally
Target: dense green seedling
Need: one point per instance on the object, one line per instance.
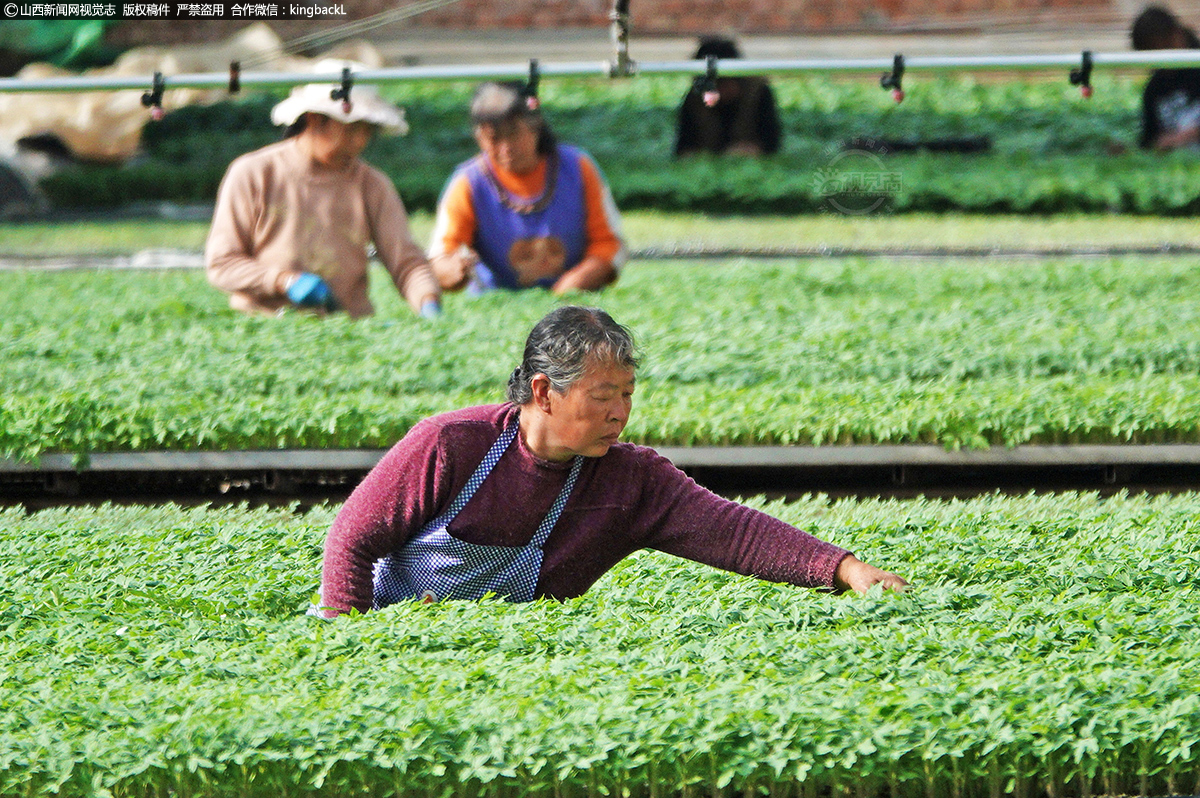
(1051, 150)
(1049, 646)
(970, 353)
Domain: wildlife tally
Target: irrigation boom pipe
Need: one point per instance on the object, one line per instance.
(737, 66)
(965, 63)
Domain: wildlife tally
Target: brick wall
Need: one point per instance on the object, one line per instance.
(689, 17)
(682, 17)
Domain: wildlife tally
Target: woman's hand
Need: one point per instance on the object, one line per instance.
(308, 290)
(1184, 137)
(590, 274)
(854, 574)
(454, 270)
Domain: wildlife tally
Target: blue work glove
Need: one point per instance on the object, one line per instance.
(431, 309)
(310, 291)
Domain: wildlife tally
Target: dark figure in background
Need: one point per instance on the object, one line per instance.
(1171, 99)
(742, 122)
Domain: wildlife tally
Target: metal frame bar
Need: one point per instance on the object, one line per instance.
(682, 456)
(739, 66)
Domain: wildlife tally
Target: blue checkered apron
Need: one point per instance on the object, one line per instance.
(435, 565)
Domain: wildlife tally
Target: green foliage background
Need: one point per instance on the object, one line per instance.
(961, 353)
(1049, 646)
(1050, 154)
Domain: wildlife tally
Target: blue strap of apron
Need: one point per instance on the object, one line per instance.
(481, 471)
(485, 467)
(547, 525)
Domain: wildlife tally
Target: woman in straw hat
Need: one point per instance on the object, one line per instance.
(527, 211)
(293, 219)
(537, 497)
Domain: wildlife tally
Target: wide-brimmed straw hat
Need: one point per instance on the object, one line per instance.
(365, 103)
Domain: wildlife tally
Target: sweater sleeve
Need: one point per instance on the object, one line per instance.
(400, 255)
(686, 520)
(1150, 124)
(603, 220)
(229, 253)
(399, 496)
(687, 124)
(455, 224)
(770, 131)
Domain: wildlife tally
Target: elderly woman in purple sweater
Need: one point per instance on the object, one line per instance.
(536, 497)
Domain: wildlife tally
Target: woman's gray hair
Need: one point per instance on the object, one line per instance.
(564, 343)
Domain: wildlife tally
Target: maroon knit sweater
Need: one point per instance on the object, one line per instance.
(631, 498)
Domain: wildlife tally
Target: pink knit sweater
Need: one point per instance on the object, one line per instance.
(629, 499)
(278, 211)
